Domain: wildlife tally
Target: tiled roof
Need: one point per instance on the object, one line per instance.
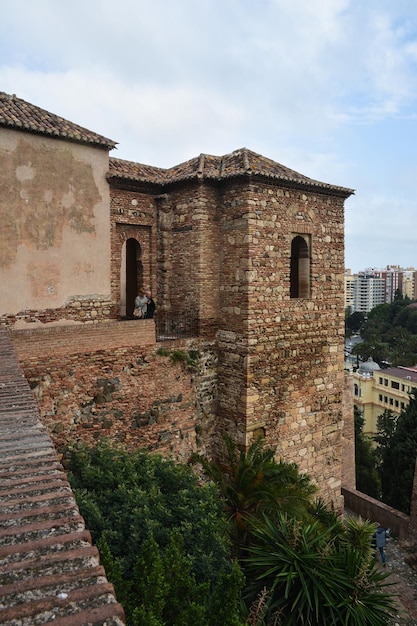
(137, 172)
(241, 162)
(49, 569)
(20, 115)
(407, 373)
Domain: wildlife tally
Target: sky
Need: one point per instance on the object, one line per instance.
(325, 87)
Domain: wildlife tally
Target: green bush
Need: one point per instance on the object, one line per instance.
(158, 531)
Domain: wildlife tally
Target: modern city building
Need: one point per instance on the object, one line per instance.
(370, 287)
(368, 292)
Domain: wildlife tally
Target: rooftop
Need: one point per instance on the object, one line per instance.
(18, 114)
(407, 373)
(242, 162)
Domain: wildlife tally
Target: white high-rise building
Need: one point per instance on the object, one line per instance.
(367, 289)
(368, 292)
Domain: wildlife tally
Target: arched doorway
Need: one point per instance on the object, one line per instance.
(134, 273)
(300, 268)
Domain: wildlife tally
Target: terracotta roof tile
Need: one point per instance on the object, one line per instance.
(241, 162)
(20, 115)
(138, 172)
(49, 569)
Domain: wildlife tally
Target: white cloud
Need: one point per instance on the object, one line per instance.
(323, 86)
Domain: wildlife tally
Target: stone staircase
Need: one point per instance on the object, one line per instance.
(49, 569)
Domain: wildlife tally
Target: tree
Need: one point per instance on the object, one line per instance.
(163, 535)
(366, 460)
(398, 457)
(386, 425)
(354, 322)
(390, 333)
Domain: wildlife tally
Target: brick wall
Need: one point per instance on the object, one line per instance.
(91, 308)
(133, 216)
(225, 250)
(98, 385)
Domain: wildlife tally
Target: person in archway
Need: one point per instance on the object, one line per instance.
(150, 309)
(141, 305)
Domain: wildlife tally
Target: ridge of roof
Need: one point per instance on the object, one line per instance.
(242, 162)
(18, 114)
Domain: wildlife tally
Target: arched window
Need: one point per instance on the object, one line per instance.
(300, 267)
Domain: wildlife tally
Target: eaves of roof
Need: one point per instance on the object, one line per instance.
(18, 114)
(240, 163)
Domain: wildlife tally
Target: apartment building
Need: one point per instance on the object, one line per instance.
(370, 287)
(376, 390)
(368, 292)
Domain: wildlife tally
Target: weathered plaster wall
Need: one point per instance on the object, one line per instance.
(54, 209)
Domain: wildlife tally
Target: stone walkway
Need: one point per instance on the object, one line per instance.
(404, 580)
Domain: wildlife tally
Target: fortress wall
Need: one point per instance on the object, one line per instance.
(54, 241)
(126, 392)
(281, 358)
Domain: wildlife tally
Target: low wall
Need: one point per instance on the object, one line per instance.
(376, 511)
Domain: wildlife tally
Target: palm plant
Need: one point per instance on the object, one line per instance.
(307, 574)
(253, 483)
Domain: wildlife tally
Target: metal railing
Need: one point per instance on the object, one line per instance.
(176, 325)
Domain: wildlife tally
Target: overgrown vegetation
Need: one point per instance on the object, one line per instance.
(144, 512)
(189, 358)
(249, 547)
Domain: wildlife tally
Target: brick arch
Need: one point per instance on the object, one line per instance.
(131, 265)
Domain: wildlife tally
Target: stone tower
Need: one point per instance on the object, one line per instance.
(257, 250)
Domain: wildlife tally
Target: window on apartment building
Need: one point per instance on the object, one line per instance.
(391, 401)
(385, 399)
(402, 387)
(395, 385)
(356, 389)
(396, 404)
(380, 380)
(386, 382)
(380, 397)
(300, 267)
